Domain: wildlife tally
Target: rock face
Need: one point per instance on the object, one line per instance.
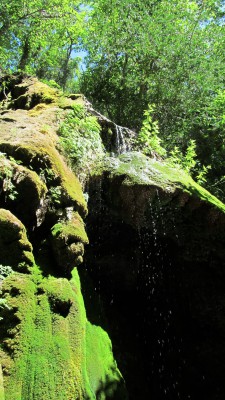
(154, 261)
(157, 258)
(48, 350)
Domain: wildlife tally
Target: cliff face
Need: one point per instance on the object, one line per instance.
(152, 251)
(49, 350)
(157, 249)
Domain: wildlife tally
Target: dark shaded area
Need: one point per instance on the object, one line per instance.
(59, 306)
(9, 85)
(159, 292)
(8, 327)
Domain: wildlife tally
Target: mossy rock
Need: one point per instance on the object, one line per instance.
(46, 342)
(23, 191)
(53, 354)
(104, 381)
(31, 92)
(135, 181)
(2, 392)
(68, 239)
(37, 151)
(136, 169)
(15, 248)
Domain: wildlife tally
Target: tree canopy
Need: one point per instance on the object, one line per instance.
(40, 36)
(163, 54)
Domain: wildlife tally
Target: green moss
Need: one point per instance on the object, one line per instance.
(38, 109)
(2, 392)
(38, 156)
(67, 243)
(20, 331)
(54, 356)
(72, 230)
(15, 248)
(104, 376)
(33, 92)
(137, 169)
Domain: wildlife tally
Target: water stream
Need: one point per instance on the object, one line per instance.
(122, 145)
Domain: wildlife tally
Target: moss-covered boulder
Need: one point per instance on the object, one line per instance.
(20, 91)
(151, 194)
(30, 136)
(49, 350)
(142, 180)
(15, 248)
(22, 190)
(68, 239)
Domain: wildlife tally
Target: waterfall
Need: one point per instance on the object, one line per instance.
(120, 141)
(124, 138)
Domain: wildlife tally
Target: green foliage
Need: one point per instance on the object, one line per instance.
(46, 174)
(148, 140)
(53, 84)
(189, 162)
(80, 138)
(41, 37)
(202, 173)
(167, 53)
(163, 52)
(55, 194)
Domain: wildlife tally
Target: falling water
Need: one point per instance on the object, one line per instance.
(146, 279)
(120, 141)
(124, 138)
(155, 276)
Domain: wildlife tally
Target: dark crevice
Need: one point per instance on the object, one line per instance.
(60, 307)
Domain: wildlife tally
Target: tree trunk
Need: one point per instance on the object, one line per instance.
(25, 54)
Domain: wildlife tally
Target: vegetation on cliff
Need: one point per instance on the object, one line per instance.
(48, 349)
(154, 66)
(163, 53)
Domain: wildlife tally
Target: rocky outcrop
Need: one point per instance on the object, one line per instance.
(150, 194)
(153, 260)
(68, 239)
(157, 260)
(48, 350)
(15, 248)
